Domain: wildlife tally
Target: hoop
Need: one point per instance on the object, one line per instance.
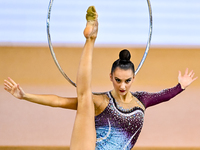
(54, 56)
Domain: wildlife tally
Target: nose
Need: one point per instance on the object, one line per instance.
(123, 85)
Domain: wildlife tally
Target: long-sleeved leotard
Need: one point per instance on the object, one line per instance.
(118, 129)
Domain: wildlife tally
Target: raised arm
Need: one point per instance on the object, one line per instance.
(48, 100)
(150, 99)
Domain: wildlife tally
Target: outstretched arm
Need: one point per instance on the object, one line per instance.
(49, 100)
(151, 99)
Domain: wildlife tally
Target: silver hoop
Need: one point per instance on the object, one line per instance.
(54, 56)
(51, 47)
(149, 40)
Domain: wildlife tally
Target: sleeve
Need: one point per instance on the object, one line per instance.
(151, 99)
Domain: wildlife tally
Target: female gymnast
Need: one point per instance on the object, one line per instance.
(107, 121)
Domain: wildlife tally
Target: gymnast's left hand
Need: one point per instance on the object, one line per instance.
(186, 79)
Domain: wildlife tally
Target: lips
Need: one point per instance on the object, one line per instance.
(122, 91)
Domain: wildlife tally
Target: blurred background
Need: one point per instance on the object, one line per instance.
(25, 57)
(175, 22)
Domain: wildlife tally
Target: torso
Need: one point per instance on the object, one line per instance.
(102, 101)
(118, 125)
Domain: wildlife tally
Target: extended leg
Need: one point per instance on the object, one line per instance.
(84, 133)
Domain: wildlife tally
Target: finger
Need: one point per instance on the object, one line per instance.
(194, 79)
(13, 89)
(179, 73)
(19, 87)
(7, 86)
(13, 82)
(8, 83)
(21, 90)
(190, 73)
(186, 71)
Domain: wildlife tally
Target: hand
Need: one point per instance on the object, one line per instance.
(186, 79)
(13, 88)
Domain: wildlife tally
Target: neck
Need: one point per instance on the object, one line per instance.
(123, 98)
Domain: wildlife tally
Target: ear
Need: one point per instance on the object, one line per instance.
(133, 78)
(111, 77)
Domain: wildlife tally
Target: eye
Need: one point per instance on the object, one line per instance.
(118, 80)
(128, 80)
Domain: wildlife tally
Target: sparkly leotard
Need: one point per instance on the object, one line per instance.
(117, 129)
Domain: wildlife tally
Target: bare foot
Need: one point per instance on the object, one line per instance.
(91, 28)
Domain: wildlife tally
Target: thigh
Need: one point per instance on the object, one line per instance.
(84, 133)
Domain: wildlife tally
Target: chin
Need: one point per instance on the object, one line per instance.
(122, 93)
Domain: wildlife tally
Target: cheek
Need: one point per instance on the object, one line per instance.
(129, 84)
(115, 84)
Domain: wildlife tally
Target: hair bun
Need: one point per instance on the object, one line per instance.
(124, 56)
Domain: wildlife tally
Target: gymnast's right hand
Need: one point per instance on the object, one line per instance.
(13, 88)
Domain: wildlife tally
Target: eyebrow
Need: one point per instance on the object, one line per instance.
(126, 79)
(129, 79)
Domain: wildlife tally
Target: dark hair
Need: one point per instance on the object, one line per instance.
(123, 62)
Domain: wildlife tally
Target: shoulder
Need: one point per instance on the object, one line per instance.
(101, 102)
(98, 99)
(140, 94)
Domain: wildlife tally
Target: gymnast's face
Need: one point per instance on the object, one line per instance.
(122, 80)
